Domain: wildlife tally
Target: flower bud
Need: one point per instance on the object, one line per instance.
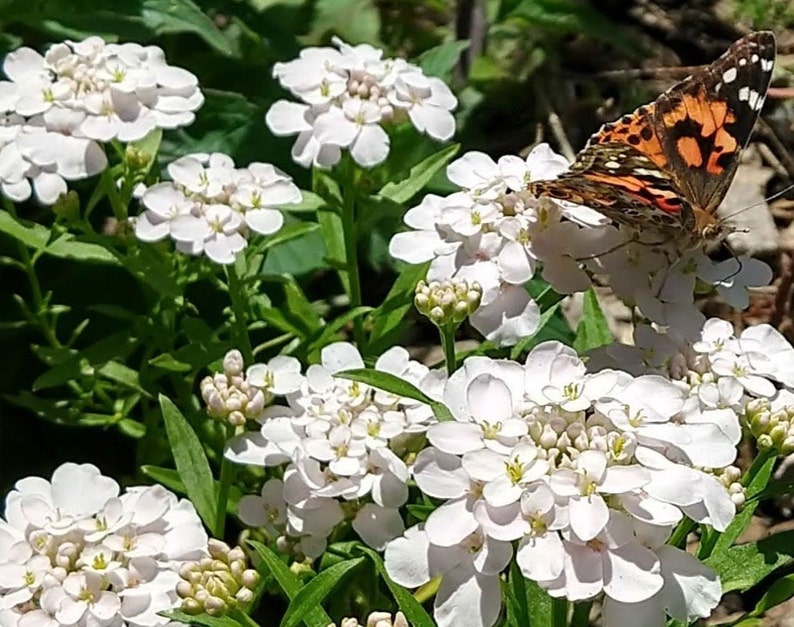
(447, 302)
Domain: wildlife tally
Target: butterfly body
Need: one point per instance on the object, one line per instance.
(667, 166)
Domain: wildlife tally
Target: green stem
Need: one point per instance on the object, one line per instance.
(448, 343)
(758, 464)
(239, 309)
(224, 483)
(581, 614)
(559, 612)
(40, 308)
(678, 537)
(351, 250)
(112, 192)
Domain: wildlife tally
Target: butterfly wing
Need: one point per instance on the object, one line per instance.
(669, 163)
(705, 121)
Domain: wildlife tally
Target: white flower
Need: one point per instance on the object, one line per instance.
(80, 554)
(57, 107)
(348, 95)
(210, 206)
(469, 593)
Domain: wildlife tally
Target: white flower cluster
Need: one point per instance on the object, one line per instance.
(75, 552)
(235, 397)
(209, 206)
(495, 233)
(376, 619)
(56, 107)
(347, 94)
(343, 443)
(589, 472)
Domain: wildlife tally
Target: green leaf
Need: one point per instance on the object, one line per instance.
(413, 610)
(355, 21)
(743, 566)
(123, 375)
(190, 460)
(593, 330)
(314, 593)
(289, 233)
(334, 238)
(289, 584)
(330, 331)
(33, 236)
(205, 620)
(441, 60)
(392, 383)
(183, 16)
(528, 605)
(131, 428)
(149, 146)
(309, 202)
(66, 247)
(166, 361)
(403, 190)
(297, 315)
(391, 313)
(779, 592)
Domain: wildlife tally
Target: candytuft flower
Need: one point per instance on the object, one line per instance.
(209, 207)
(77, 552)
(348, 94)
(56, 108)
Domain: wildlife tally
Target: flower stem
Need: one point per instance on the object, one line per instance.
(224, 483)
(40, 317)
(428, 590)
(559, 612)
(351, 249)
(120, 209)
(448, 342)
(239, 308)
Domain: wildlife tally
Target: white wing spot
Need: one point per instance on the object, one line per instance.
(612, 165)
(754, 58)
(742, 61)
(753, 100)
(767, 64)
(744, 93)
(729, 75)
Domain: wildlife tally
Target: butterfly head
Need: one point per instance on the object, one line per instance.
(709, 228)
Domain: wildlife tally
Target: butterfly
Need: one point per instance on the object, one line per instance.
(667, 166)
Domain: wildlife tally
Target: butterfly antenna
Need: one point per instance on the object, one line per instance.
(761, 202)
(736, 258)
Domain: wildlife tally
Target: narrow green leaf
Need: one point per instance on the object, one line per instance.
(310, 596)
(402, 191)
(124, 375)
(593, 330)
(205, 620)
(288, 233)
(743, 566)
(166, 361)
(779, 592)
(413, 610)
(334, 238)
(390, 315)
(190, 460)
(329, 332)
(391, 383)
(289, 583)
(441, 60)
(183, 16)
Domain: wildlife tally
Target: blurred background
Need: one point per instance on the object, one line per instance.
(524, 71)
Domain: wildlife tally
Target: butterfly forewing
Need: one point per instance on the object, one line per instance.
(705, 121)
(668, 164)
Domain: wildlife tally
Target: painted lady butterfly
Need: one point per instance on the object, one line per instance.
(668, 165)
